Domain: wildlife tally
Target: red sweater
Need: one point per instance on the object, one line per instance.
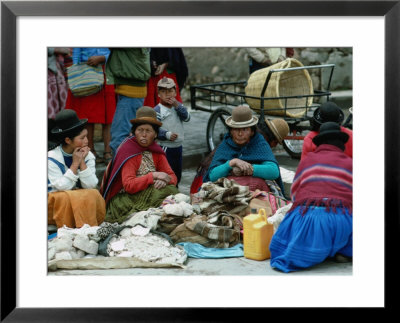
(127, 160)
(133, 184)
(309, 146)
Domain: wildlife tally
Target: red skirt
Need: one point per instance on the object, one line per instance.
(97, 108)
(152, 98)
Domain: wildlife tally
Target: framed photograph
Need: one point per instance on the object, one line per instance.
(370, 28)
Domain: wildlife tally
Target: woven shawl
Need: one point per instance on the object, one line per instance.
(112, 181)
(255, 152)
(324, 178)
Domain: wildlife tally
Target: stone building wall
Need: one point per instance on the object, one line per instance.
(209, 65)
(221, 64)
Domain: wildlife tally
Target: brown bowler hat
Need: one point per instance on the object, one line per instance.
(146, 115)
(242, 117)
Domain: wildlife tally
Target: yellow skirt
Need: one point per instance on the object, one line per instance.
(75, 208)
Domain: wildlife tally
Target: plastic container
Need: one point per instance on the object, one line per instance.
(257, 235)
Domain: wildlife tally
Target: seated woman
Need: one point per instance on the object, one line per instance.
(244, 155)
(139, 177)
(273, 131)
(320, 221)
(328, 112)
(73, 199)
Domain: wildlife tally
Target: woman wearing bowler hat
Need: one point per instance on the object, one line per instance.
(73, 199)
(327, 112)
(139, 177)
(320, 222)
(274, 132)
(244, 155)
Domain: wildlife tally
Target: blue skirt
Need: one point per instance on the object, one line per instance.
(302, 241)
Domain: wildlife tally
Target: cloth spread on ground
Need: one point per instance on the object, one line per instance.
(123, 204)
(107, 263)
(195, 250)
(74, 208)
(220, 230)
(175, 209)
(148, 247)
(325, 178)
(148, 218)
(223, 195)
(255, 152)
(138, 246)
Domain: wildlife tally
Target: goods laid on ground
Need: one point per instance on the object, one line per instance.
(127, 248)
(208, 226)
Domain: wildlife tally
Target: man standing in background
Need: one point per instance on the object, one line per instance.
(128, 69)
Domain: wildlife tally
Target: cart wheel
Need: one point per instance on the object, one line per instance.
(216, 127)
(294, 147)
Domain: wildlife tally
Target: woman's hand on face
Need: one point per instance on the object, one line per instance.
(85, 151)
(78, 160)
(95, 60)
(77, 155)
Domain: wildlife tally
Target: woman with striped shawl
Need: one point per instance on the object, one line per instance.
(139, 176)
(320, 223)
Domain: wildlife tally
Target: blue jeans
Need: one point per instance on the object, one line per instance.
(174, 157)
(121, 125)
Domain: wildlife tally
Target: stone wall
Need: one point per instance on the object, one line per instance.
(221, 64)
(209, 65)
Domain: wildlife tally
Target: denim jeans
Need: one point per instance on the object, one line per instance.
(174, 157)
(121, 126)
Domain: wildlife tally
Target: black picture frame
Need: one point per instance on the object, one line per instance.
(10, 10)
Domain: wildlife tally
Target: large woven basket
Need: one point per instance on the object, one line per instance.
(281, 84)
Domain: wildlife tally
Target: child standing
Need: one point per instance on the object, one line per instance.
(172, 114)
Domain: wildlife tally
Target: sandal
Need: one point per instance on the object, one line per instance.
(107, 156)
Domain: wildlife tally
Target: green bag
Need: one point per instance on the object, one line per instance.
(84, 80)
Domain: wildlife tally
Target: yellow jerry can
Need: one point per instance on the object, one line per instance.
(257, 235)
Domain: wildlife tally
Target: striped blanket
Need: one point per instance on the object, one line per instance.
(224, 195)
(324, 177)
